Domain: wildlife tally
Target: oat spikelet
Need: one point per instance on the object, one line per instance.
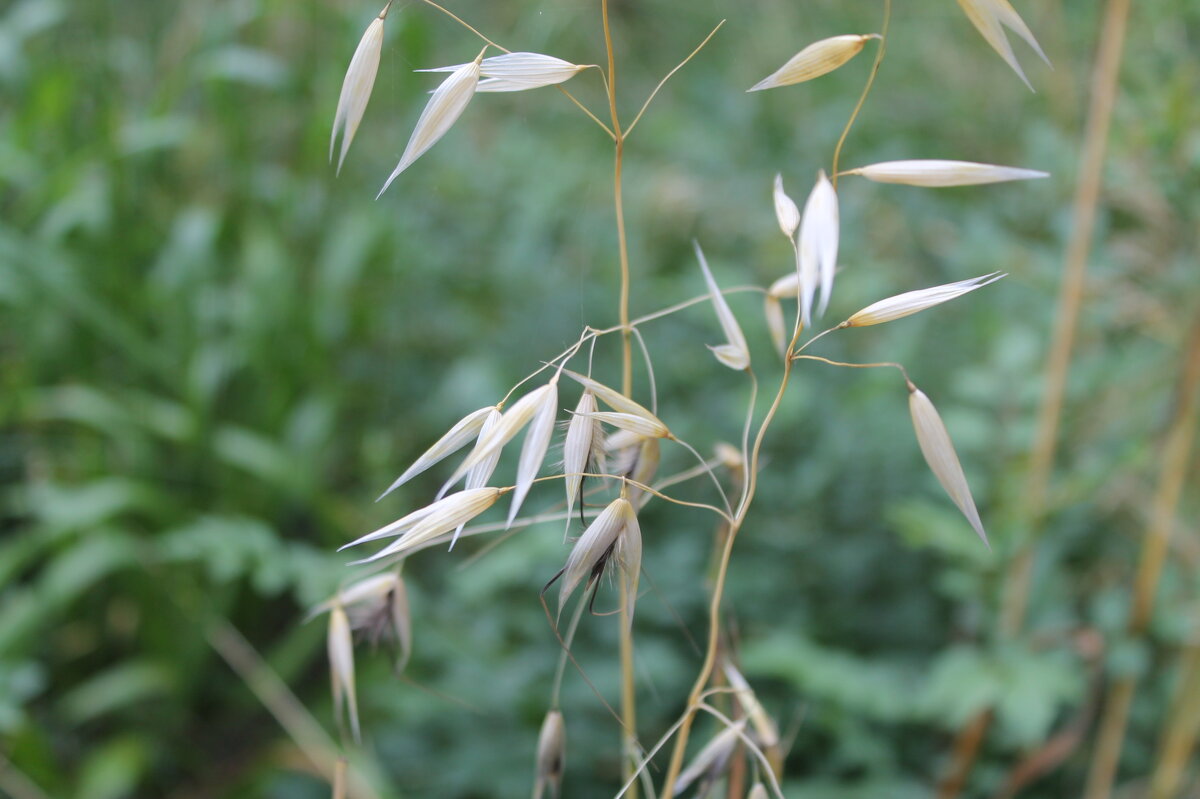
(613, 398)
(551, 756)
(733, 353)
(818, 59)
(818, 246)
(912, 302)
(598, 543)
(759, 791)
(764, 726)
(518, 72)
(939, 454)
(537, 442)
(357, 85)
(341, 666)
(645, 466)
(578, 445)
(933, 173)
(710, 761)
(505, 430)
(444, 108)
(455, 438)
(638, 425)
(776, 326)
(430, 522)
(786, 212)
(786, 287)
(987, 16)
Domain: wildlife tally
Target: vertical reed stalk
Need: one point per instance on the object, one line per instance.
(1018, 579)
(1179, 737)
(1176, 453)
(629, 749)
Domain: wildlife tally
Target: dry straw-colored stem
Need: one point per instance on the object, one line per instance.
(1019, 576)
(1176, 454)
(1179, 737)
(862, 98)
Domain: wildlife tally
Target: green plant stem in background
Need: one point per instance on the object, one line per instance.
(1019, 576)
(629, 746)
(1176, 454)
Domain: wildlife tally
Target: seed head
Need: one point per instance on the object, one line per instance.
(818, 247)
(815, 60)
(939, 453)
(733, 353)
(551, 756)
(987, 16)
(912, 302)
(357, 85)
(940, 174)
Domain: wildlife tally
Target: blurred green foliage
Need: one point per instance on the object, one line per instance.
(215, 355)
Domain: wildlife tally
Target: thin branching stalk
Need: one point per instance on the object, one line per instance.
(862, 98)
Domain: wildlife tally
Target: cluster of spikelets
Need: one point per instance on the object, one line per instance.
(619, 446)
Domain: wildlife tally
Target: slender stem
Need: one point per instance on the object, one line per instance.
(556, 693)
(628, 694)
(1179, 737)
(862, 98)
(668, 76)
(714, 610)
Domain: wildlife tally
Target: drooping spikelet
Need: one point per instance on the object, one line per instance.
(733, 353)
(939, 453)
(444, 108)
(818, 247)
(818, 59)
(357, 85)
(988, 16)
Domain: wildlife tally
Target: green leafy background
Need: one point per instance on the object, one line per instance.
(215, 354)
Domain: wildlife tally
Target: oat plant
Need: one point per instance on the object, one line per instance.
(614, 432)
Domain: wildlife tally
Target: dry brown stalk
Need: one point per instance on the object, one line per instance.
(1019, 575)
(1179, 736)
(1176, 454)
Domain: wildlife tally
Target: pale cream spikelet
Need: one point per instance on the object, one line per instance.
(537, 443)
(429, 522)
(479, 474)
(786, 287)
(776, 325)
(764, 725)
(444, 108)
(378, 604)
(818, 247)
(357, 85)
(638, 425)
(465, 430)
(628, 554)
(939, 453)
(645, 466)
(597, 544)
(733, 353)
(578, 445)
(759, 791)
(551, 756)
(818, 59)
(517, 72)
(912, 302)
(613, 398)
(341, 667)
(786, 212)
(620, 450)
(710, 761)
(988, 16)
(935, 173)
(505, 430)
